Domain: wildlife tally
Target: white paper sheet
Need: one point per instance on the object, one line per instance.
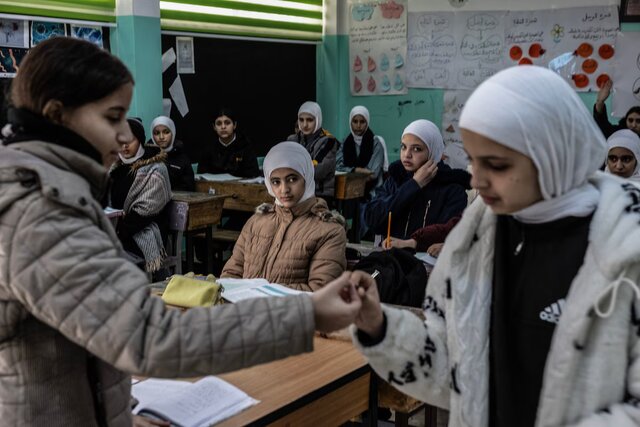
(179, 98)
(626, 76)
(250, 291)
(166, 107)
(14, 33)
(216, 177)
(186, 55)
(168, 58)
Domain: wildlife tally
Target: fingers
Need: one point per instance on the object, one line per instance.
(362, 279)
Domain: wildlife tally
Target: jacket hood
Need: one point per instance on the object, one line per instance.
(314, 206)
(445, 175)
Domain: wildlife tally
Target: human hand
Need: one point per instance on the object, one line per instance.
(425, 173)
(140, 421)
(435, 249)
(603, 94)
(336, 305)
(370, 318)
(399, 243)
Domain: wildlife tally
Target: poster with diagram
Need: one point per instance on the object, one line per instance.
(454, 50)
(377, 47)
(14, 33)
(454, 101)
(90, 34)
(41, 31)
(626, 75)
(10, 58)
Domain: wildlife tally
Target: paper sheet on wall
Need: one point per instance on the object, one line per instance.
(10, 58)
(41, 31)
(179, 99)
(626, 75)
(14, 33)
(166, 107)
(168, 58)
(88, 33)
(454, 50)
(378, 47)
(454, 101)
(186, 55)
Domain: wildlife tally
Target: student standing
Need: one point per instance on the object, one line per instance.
(297, 241)
(163, 134)
(321, 145)
(532, 309)
(421, 189)
(623, 156)
(76, 318)
(232, 153)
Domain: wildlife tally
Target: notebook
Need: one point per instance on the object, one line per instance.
(240, 289)
(216, 177)
(203, 403)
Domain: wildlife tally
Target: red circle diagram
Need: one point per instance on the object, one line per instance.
(602, 79)
(589, 66)
(580, 80)
(585, 50)
(606, 51)
(525, 61)
(515, 53)
(536, 50)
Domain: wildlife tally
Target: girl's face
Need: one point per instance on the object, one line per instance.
(103, 123)
(358, 125)
(621, 162)
(131, 148)
(225, 128)
(288, 186)
(413, 153)
(633, 122)
(506, 179)
(306, 123)
(162, 136)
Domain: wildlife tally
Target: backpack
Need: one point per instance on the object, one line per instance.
(402, 279)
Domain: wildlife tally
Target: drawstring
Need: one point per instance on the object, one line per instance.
(612, 290)
(424, 219)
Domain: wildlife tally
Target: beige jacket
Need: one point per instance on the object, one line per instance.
(66, 295)
(303, 247)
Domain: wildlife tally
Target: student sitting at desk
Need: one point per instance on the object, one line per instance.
(421, 189)
(623, 156)
(140, 186)
(232, 153)
(163, 134)
(76, 318)
(362, 151)
(297, 242)
(321, 145)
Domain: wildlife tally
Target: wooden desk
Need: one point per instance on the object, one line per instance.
(242, 196)
(351, 186)
(190, 213)
(329, 386)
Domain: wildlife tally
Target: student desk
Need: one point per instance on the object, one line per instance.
(351, 186)
(329, 387)
(190, 213)
(242, 196)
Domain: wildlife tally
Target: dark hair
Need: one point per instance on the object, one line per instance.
(634, 109)
(226, 112)
(72, 71)
(137, 128)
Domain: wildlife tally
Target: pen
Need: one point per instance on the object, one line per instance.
(375, 274)
(389, 231)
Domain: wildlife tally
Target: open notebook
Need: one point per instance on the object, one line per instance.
(238, 289)
(203, 403)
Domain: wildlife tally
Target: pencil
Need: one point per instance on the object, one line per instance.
(389, 231)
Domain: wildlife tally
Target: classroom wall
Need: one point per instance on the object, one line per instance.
(390, 114)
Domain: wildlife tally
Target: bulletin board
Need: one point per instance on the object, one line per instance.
(264, 83)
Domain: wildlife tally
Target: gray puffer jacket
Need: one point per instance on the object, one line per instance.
(76, 318)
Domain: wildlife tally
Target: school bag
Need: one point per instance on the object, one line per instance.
(402, 279)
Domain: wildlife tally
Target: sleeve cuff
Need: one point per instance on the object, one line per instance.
(367, 341)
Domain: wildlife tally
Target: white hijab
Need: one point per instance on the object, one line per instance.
(626, 138)
(355, 111)
(294, 156)
(137, 156)
(314, 109)
(165, 121)
(534, 111)
(430, 136)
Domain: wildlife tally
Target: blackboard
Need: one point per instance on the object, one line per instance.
(263, 82)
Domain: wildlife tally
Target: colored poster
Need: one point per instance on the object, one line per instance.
(41, 31)
(626, 74)
(90, 34)
(454, 154)
(454, 50)
(10, 58)
(378, 47)
(14, 33)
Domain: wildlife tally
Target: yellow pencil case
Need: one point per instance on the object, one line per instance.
(187, 292)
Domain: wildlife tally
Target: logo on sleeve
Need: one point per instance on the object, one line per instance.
(553, 312)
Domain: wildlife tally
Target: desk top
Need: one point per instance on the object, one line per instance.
(285, 385)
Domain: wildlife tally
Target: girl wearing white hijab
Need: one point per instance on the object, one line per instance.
(623, 157)
(321, 145)
(362, 151)
(533, 307)
(297, 241)
(163, 134)
(420, 190)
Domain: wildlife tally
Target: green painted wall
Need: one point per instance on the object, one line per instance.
(136, 41)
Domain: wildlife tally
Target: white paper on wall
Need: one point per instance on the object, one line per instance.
(454, 101)
(166, 107)
(14, 33)
(177, 94)
(454, 50)
(527, 38)
(186, 55)
(378, 47)
(168, 58)
(626, 76)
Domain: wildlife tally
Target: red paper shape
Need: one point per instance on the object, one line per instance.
(357, 64)
(371, 84)
(371, 65)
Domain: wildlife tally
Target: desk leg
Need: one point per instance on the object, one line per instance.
(355, 224)
(370, 418)
(209, 237)
(189, 236)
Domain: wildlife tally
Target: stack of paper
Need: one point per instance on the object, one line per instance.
(240, 289)
(203, 403)
(216, 177)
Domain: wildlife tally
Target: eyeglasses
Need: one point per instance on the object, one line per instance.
(624, 159)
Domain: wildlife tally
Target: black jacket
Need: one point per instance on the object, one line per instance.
(180, 170)
(602, 119)
(237, 159)
(413, 207)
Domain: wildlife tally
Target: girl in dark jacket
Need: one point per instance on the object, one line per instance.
(421, 189)
(631, 120)
(232, 153)
(163, 134)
